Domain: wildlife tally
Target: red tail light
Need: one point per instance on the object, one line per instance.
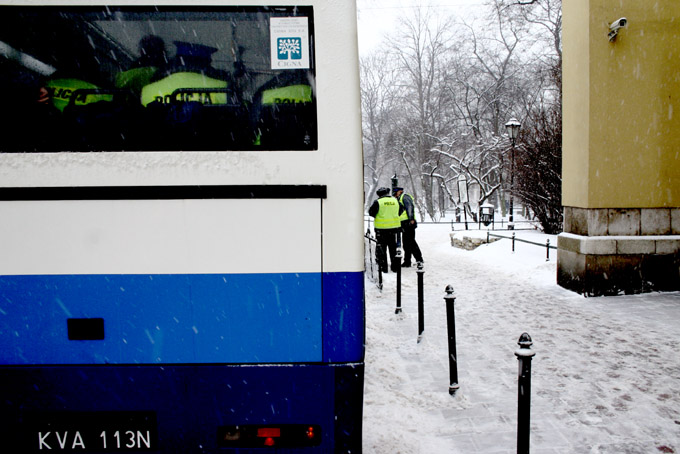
(268, 432)
(278, 436)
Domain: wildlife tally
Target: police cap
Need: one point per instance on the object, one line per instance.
(383, 191)
(185, 49)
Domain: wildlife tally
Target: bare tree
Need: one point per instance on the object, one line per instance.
(486, 81)
(449, 90)
(481, 165)
(378, 104)
(539, 157)
(420, 50)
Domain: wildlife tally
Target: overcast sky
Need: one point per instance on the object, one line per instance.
(377, 17)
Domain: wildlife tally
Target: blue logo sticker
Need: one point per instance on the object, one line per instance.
(289, 48)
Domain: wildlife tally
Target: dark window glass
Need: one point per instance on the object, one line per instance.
(157, 78)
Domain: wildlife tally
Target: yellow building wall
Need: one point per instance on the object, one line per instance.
(621, 103)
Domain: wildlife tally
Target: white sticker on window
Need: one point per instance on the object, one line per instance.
(289, 42)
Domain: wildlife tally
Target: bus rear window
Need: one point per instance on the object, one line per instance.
(157, 79)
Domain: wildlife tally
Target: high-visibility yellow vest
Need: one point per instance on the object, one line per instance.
(135, 79)
(404, 215)
(61, 91)
(161, 90)
(292, 94)
(388, 214)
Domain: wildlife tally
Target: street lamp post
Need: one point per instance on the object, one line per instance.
(463, 195)
(512, 127)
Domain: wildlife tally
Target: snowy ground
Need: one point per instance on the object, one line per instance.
(606, 375)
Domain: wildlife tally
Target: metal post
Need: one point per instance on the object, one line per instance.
(465, 214)
(450, 299)
(370, 250)
(513, 242)
(524, 356)
(398, 268)
(421, 305)
(547, 250)
(511, 221)
(487, 237)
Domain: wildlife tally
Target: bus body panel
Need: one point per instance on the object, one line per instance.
(337, 163)
(165, 319)
(174, 294)
(213, 396)
(161, 236)
(154, 319)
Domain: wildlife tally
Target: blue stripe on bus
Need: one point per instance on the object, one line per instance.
(343, 317)
(205, 318)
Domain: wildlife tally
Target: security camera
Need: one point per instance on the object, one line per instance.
(615, 26)
(618, 24)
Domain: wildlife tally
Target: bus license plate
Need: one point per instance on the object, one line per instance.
(91, 431)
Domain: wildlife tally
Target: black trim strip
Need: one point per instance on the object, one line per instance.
(163, 192)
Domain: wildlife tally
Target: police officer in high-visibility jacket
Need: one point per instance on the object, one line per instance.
(408, 227)
(60, 90)
(284, 116)
(190, 69)
(152, 57)
(386, 211)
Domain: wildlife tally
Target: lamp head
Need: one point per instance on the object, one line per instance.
(512, 127)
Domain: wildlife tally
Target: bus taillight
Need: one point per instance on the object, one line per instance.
(280, 436)
(269, 434)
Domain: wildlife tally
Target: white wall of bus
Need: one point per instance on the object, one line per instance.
(337, 163)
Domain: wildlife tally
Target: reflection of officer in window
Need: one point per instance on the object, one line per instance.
(283, 111)
(71, 109)
(59, 90)
(152, 56)
(190, 69)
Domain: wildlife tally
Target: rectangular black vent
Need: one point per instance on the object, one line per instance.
(85, 328)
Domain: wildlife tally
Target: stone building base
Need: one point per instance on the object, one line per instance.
(617, 251)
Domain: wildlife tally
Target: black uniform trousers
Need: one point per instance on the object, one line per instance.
(387, 240)
(411, 248)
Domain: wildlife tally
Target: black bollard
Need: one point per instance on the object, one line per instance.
(398, 267)
(450, 299)
(421, 306)
(524, 356)
(513, 241)
(547, 250)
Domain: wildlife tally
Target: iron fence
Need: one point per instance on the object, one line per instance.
(514, 238)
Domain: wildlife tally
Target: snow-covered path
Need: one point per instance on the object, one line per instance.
(606, 375)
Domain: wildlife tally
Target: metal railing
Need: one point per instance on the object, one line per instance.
(504, 225)
(547, 244)
(460, 225)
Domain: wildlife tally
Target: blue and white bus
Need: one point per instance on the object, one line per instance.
(181, 251)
